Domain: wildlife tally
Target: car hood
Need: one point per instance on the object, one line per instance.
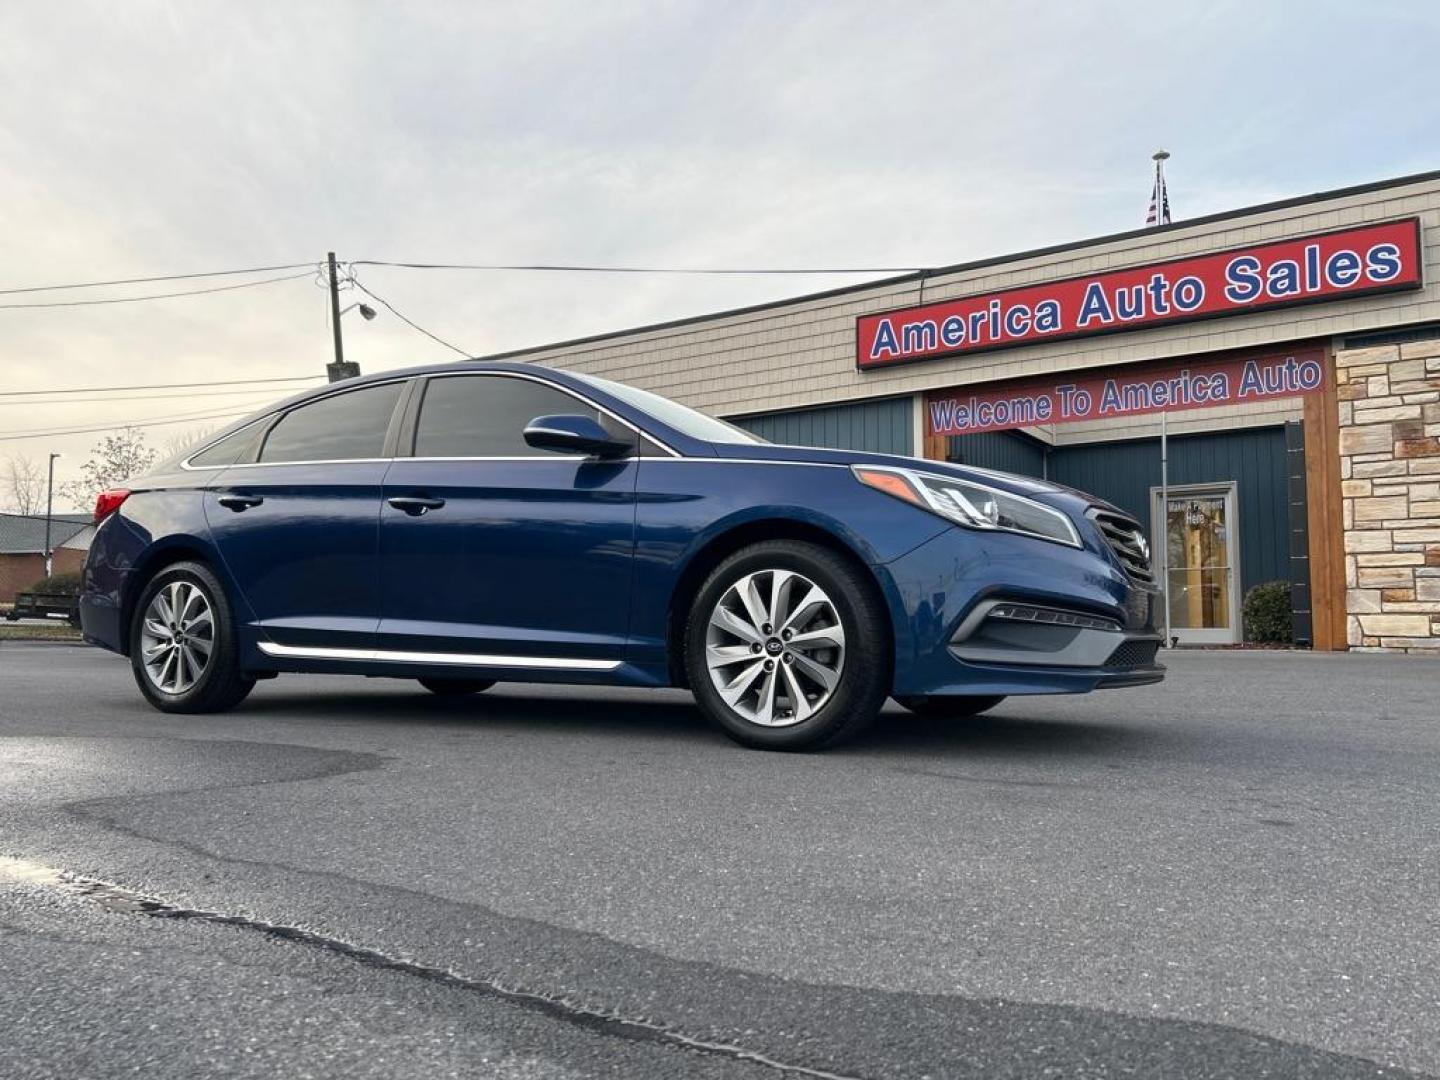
(1041, 490)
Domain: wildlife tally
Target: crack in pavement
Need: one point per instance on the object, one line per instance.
(117, 898)
(855, 1028)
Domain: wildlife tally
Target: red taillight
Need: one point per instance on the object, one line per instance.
(107, 502)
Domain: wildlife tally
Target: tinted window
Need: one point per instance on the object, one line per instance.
(485, 416)
(343, 427)
(237, 446)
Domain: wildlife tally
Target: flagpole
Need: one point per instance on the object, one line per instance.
(1164, 532)
(1162, 538)
(1161, 195)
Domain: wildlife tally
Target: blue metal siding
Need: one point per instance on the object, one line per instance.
(884, 427)
(1001, 450)
(1124, 472)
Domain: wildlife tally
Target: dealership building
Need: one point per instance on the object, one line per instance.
(1289, 352)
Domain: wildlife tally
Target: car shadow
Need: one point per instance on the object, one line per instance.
(670, 715)
(637, 713)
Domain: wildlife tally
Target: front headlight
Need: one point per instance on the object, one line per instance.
(972, 505)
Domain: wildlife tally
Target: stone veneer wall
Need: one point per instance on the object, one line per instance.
(1390, 483)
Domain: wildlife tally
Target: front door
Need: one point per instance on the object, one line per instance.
(1199, 547)
(492, 550)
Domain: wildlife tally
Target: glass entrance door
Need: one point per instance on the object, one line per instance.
(1200, 547)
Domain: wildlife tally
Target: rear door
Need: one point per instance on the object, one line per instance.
(510, 553)
(298, 527)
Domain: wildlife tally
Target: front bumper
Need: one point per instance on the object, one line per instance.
(985, 614)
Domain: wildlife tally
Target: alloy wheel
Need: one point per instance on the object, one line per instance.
(177, 637)
(775, 648)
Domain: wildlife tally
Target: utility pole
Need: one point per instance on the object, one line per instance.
(338, 369)
(49, 510)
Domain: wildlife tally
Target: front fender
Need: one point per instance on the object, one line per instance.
(686, 507)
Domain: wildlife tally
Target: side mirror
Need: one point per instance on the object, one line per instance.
(575, 435)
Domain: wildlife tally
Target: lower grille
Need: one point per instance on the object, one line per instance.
(1137, 652)
(1127, 540)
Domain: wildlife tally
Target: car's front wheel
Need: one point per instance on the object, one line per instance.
(183, 648)
(786, 647)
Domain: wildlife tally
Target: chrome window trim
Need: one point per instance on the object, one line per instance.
(400, 656)
(674, 454)
(431, 376)
(316, 461)
(398, 460)
(185, 463)
(271, 416)
(531, 457)
(762, 461)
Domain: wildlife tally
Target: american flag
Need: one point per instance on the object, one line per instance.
(1159, 212)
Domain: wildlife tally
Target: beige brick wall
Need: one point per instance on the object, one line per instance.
(803, 353)
(1390, 484)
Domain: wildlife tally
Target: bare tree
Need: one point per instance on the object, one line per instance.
(113, 460)
(182, 441)
(22, 485)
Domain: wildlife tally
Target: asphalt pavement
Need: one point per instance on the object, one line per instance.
(1233, 874)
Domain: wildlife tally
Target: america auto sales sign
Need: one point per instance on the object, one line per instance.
(1336, 265)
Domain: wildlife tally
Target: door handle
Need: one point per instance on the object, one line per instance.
(415, 505)
(240, 502)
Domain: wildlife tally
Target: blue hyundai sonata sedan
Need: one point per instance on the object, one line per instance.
(472, 523)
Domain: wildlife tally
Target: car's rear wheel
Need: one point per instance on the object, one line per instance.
(456, 687)
(954, 705)
(183, 648)
(786, 647)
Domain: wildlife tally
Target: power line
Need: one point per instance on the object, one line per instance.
(121, 427)
(172, 416)
(581, 269)
(146, 280)
(156, 296)
(139, 397)
(563, 268)
(408, 322)
(160, 386)
(60, 517)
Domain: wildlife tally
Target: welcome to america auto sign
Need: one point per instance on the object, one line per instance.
(1170, 386)
(1323, 266)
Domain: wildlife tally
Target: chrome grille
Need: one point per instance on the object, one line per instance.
(1127, 540)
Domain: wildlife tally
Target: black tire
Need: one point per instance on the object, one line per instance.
(955, 706)
(456, 687)
(863, 676)
(221, 684)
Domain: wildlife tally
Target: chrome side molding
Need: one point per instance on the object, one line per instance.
(396, 656)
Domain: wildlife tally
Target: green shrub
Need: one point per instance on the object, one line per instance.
(57, 585)
(1267, 612)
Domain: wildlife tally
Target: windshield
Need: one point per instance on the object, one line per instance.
(682, 418)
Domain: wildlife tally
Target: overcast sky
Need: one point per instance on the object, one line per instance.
(148, 138)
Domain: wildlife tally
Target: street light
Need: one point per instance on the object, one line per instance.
(49, 508)
(366, 311)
